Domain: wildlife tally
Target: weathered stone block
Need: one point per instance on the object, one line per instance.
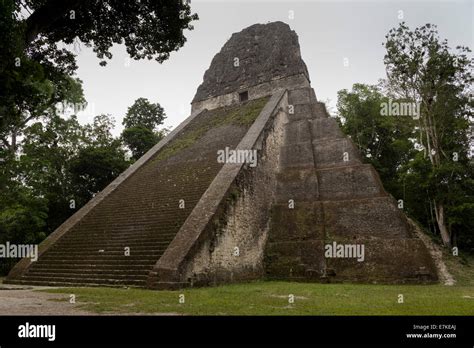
(319, 110)
(370, 218)
(295, 260)
(348, 183)
(297, 132)
(335, 152)
(301, 96)
(386, 261)
(303, 222)
(297, 155)
(299, 184)
(301, 112)
(324, 128)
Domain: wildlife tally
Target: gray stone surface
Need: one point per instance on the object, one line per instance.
(302, 96)
(196, 255)
(349, 182)
(361, 219)
(325, 128)
(265, 52)
(336, 200)
(298, 184)
(300, 158)
(335, 152)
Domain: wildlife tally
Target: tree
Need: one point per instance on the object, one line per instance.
(148, 28)
(421, 67)
(43, 166)
(141, 123)
(98, 162)
(384, 141)
(45, 159)
(35, 73)
(144, 114)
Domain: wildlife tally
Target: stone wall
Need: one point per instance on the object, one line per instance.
(254, 92)
(235, 250)
(197, 255)
(257, 54)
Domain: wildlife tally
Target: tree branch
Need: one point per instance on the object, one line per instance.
(45, 17)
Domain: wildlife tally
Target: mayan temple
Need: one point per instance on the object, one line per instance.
(181, 217)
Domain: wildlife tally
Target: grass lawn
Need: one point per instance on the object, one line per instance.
(272, 298)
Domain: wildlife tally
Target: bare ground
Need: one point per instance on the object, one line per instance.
(26, 301)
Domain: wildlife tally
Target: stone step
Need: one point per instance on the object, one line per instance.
(369, 218)
(303, 222)
(299, 184)
(124, 220)
(63, 271)
(295, 260)
(65, 247)
(301, 96)
(143, 211)
(105, 253)
(159, 205)
(325, 128)
(153, 235)
(398, 260)
(349, 182)
(335, 152)
(118, 239)
(90, 276)
(74, 282)
(107, 246)
(128, 261)
(297, 132)
(106, 267)
(301, 112)
(296, 155)
(98, 258)
(320, 111)
(25, 281)
(134, 237)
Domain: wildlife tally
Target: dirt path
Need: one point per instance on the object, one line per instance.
(26, 301)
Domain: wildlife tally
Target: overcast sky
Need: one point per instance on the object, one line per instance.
(329, 32)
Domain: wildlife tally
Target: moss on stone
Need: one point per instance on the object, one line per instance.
(242, 115)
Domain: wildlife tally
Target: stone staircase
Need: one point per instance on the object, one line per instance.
(121, 239)
(325, 194)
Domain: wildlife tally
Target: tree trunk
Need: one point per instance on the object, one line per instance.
(13, 143)
(45, 17)
(439, 211)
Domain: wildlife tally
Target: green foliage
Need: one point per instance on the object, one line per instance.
(140, 139)
(141, 122)
(95, 167)
(383, 140)
(148, 28)
(388, 143)
(144, 114)
(22, 219)
(47, 161)
(60, 162)
(422, 68)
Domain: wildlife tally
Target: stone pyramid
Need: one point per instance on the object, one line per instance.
(306, 208)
